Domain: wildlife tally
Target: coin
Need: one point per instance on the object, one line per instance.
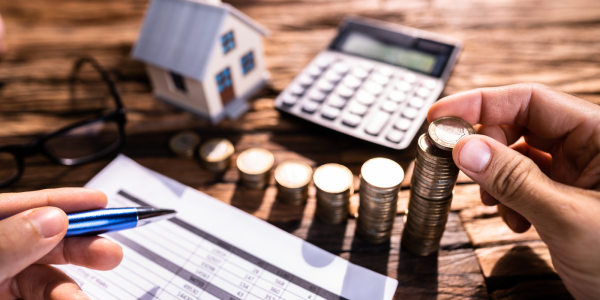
(445, 132)
(292, 178)
(334, 185)
(382, 172)
(215, 154)
(184, 143)
(255, 165)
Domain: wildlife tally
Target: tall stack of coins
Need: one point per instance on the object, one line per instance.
(255, 166)
(432, 185)
(216, 154)
(292, 178)
(184, 144)
(334, 187)
(380, 180)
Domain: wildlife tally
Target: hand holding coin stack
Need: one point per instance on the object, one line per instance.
(255, 166)
(380, 180)
(432, 185)
(292, 178)
(334, 185)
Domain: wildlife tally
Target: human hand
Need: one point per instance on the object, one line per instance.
(31, 237)
(550, 179)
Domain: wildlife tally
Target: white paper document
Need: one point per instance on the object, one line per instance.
(212, 250)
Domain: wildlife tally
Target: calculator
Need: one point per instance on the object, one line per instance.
(375, 81)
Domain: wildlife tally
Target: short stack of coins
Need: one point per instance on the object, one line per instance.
(432, 185)
(380, 180)
(184, 144)
(255, 166)
(216, 154)
(292, 178)
(334, 185)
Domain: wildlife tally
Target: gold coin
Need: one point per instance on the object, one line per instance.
(382, 172)
(215, 150)
(293, 174)
(333, 178)
(445, 132)
(255, 161)
(184, 143)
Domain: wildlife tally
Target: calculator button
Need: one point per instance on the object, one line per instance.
(340, 67)
(381, 79)
(333, 76)
(316, 95)
(323, 62)
(372, 87)
(402, 124)
(310, 106)
(357, 108)
(364, 98)
(336, 101)
(395, 136)
(305, 80)
(345, 91)
(351, 120)
(410, 113)
(297, 89)
(360, 72)
(416, 102)
(410, 77)
(325, 86)
(429, 83)
(423, 92)
(403, 86)
(330, 112)
(376, 123)
(314, 71)
(351, 81)
(389, 106)
(289, 99)
(366, 65)
(397, 96)
(386, 71)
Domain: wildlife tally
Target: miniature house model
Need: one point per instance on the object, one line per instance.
(205, 57)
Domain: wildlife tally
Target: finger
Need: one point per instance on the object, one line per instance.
(511, 178)
(486, 198)
(28, 236)
(542, 159)
(513, 219)
(67, 199)
(45, 282)
(504, 134)
(90, 252)
(548, 113)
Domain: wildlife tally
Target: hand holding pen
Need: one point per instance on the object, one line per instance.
(31, 238)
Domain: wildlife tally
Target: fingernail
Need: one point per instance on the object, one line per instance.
(82, 295)
(48, 221)
(475, 155)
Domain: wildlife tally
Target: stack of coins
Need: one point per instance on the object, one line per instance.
(334, 187)
(380, 180)
(216, 154)
(432, 185)
(255, 166)
(184, 144)
(292, 178)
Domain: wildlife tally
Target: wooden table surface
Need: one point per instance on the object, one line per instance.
(506, 41)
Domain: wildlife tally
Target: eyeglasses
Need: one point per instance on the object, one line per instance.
(79, 143)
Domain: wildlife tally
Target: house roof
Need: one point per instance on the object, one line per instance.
(179, 35)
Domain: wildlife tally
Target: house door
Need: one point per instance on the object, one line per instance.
(225, 84)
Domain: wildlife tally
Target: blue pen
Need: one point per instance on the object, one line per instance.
(114, 219)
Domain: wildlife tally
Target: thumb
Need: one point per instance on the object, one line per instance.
(28, 236)
(511, 178)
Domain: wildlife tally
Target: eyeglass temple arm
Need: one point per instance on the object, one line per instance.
(105, 77)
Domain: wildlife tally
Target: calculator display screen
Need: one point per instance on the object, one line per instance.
(366, 46)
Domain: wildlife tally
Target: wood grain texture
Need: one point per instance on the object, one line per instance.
(505, 42)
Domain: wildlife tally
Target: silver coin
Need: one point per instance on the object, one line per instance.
(445, 132)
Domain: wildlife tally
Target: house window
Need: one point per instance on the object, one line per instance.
(228, 42)
(224, 80)
(248, 62)
(179, 82)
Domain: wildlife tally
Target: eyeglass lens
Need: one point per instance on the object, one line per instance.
(84, 141)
